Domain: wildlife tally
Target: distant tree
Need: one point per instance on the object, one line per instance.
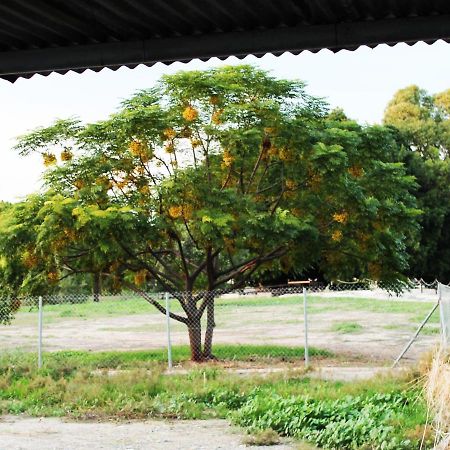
(423, 119)
(424, 123)
(212, 177)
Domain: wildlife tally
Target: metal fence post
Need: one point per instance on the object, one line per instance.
(169, 341)
(40, 334)
(305, 315)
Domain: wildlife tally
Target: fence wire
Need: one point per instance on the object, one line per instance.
(262, 324)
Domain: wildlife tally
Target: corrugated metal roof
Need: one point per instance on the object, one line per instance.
(42, 36)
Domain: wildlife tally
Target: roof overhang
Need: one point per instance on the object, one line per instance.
(50, 45)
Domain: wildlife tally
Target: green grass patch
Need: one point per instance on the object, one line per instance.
(325, 413)
(68, 362)
(430, 331)
(347, 327)
(114, 307)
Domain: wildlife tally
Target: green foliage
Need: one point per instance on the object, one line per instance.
(423, 121)
(332, 415)
(167, 174)
(210, 178)
(423, 118)
(347, 327)
(348, 423)
(64, 363)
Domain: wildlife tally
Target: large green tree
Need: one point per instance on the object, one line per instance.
(423, 121)
(206, 179)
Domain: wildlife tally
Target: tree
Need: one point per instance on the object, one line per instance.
(423, 119)
(211, 177)
(424, 124)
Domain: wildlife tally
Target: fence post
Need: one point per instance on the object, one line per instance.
(305, 315)
(40, 333)
(169, 341)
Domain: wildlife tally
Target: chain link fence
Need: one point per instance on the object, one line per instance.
(258, 325)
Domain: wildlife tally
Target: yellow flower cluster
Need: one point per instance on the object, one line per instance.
(340, 217)
(175, 211)
(196, 143)
(269, 130)
(52, 277)
(145, 190)
(216, 117)
(284, 154)
(49, 159)
(139, 277)
(187, 211)
(66, 155)
(190, 113)
(170, 133)
(122, 184)
(290, 184)
(79, 184)
(69, 234)
(228, 158)
(170, 148)
(186, 132)
(336, 235)
(135, 147)
(356, 171)
(141, 150)
(214, 99)
(314, 180)
(29, 259)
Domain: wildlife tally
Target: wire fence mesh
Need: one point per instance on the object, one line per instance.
(263, 325)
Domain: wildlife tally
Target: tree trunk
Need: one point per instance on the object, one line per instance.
(210, 324)
(97, 286)
(195, 338)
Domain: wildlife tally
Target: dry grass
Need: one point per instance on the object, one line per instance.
(262, 438)
(437, 389)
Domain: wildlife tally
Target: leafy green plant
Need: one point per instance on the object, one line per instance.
(348, 423)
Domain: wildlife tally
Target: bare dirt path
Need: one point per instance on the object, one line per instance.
(26, 433)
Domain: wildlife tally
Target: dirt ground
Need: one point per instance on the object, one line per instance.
(25, 433)
(380, 338)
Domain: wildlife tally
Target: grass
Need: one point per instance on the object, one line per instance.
(68, 386)
(347, 327)
(69, 361)
(263, 437)
(427, 330)
(109, 306)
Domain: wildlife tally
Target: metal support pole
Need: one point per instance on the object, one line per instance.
(305, 315)
(40, 334)
(444, 327)
(169, 341)
(419, 329)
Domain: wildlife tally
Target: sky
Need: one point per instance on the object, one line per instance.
(361, 82)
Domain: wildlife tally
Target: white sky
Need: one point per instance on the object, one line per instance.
(361, 82)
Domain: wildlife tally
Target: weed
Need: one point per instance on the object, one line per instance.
(347, 327)
(263, 437)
